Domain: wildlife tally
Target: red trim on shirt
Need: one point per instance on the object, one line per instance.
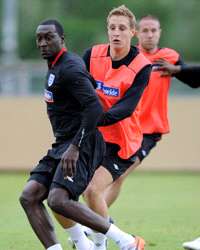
(58, 56)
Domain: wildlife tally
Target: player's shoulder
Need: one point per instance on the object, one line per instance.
(100, 50)
(168, 51)
(74, 59)
(168, 54)
(87, 52)
(73, 62)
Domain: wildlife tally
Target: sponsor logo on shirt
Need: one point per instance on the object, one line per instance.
(51, 79)
(48, 96)
(107, 90)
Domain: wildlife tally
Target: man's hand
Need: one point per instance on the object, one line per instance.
(69, 161)
(166, 68)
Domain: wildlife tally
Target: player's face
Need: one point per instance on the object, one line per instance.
(119, 32)
(48, 41)
(149, 34)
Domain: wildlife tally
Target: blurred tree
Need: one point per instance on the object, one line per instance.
(184, 29)
(85, 22)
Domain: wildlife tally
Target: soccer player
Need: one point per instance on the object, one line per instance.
(110, 65)
(63, 174)
(154, 113)
(121, 73)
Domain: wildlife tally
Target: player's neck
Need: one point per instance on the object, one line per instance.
(118, 54)
(53, 60)
(150, 51)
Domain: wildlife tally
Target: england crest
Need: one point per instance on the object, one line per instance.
(51, 79)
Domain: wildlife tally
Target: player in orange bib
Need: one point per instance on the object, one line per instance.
(154, 113)
(121, 72)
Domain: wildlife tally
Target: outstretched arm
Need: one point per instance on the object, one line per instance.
(187, 74)
(166, 68)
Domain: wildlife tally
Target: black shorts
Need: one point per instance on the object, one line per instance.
(49, 172)
(118, 166)
(149, 142)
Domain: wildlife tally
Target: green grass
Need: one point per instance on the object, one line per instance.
(161, 207)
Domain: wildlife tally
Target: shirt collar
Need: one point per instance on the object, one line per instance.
(63, 50)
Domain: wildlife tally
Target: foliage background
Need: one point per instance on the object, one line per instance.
(85, 22)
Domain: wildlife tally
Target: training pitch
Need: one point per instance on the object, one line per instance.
(161, 207)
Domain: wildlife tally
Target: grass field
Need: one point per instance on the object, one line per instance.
(161, 207)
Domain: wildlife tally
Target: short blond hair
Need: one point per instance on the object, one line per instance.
(122, 10)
